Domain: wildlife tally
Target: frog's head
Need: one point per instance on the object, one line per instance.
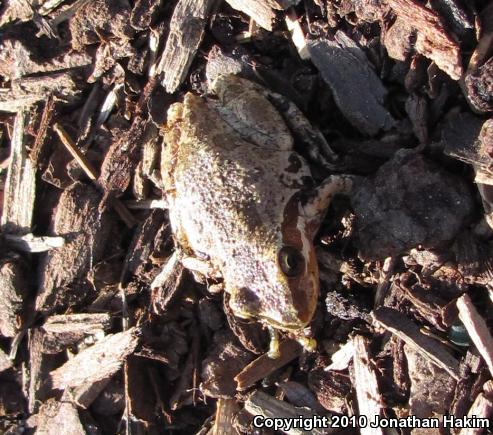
(281, 282)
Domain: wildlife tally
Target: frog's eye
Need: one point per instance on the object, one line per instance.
(291, 261)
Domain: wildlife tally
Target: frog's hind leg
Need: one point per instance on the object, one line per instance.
(246, 109)
(197, 263)
(200, 266)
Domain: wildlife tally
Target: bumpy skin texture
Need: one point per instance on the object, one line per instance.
(233, 183)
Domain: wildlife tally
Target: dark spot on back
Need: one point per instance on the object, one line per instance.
(294, 163)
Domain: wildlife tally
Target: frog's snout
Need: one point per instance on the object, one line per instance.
(246, 304)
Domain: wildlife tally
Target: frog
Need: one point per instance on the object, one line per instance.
(243, 206)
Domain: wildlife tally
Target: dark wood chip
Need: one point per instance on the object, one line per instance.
(67, 330)
(121, 160)
(64, 271)
(432, 40)
(186, 32)
(431, 387)
(479, 85)
(425, 206)
(408, 331)
(332, 388)
(13, 294)
(357, 90)
(222, 365)
(100, 18)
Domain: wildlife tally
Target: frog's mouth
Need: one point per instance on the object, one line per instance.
(281, 326)
(268, 321)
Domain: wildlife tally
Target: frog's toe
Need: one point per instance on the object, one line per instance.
(200, 266)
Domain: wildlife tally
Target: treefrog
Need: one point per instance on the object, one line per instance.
(242, 203)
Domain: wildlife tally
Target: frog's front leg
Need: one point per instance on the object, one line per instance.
(309, 344)
(318, 201)
(306, 134)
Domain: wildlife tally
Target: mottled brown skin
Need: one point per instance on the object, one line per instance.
(233, 183)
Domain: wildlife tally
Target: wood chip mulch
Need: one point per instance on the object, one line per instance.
(99, 335)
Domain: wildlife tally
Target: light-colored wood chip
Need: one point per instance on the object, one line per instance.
(432, 39)
(225, 412)
(145, 204)
(20, 185)
(32, 243)
(477, 329)
(482, 408)
(14, 292)
(431, 389)
(258, 10)
(5, 362)
(49, 5)
(365, 380)
(27, 91)
(264, 406)
(342, 357)
(488, 389)
(96, 363)
(297, 36)
(186, 32)
(59, 417)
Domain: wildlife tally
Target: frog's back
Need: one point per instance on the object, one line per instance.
(222, 189)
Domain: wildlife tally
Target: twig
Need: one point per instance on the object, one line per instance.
(383, 285)
(86, 166)
(44, 124)
(92, 173)
(31, 243)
